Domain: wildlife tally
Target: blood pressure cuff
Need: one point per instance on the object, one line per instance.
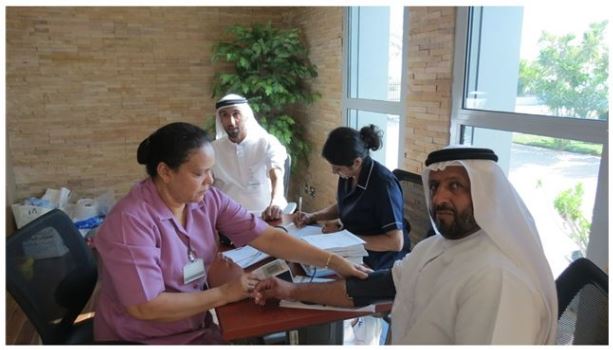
(378, 286)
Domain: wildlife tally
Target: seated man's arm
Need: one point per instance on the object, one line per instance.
(379, 286)
(330, 293)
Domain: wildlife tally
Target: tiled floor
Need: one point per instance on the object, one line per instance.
(373, 328)
(18, 329)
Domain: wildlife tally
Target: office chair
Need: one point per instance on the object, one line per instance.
(415, 208)
(51, 274)
(583, 305)
(416, 218)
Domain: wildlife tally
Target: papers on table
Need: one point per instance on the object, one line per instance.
(308, 230)
(343, 243)
(245, 256)
(307, 279)
(301, 305)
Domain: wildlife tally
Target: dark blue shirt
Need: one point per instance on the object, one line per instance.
(373, 207)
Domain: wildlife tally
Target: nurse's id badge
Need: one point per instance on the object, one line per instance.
(193, 270)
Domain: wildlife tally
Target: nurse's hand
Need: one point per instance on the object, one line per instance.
(222, 270)
(346, 268)
(239, 288)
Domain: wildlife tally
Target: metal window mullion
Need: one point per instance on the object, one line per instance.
(346, 64)
(459, 72)
(586, 130)
(403, 89)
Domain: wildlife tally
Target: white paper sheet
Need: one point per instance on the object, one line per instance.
(308, 230)
(245, 256)
(307, 279)
(331, 241)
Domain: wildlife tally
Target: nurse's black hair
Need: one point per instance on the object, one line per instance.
(170, 144)
(345, 144)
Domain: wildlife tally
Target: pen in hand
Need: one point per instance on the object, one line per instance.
(299, 218)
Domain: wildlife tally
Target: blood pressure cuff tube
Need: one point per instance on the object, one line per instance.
(378, 286)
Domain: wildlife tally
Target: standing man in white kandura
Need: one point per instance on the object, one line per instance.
(250, 161)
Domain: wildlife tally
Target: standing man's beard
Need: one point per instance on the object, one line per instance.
(463, 223)
(233, 133)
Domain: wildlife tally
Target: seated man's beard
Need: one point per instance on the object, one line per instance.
(463, 223)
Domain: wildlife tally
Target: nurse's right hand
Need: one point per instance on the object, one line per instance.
(222, 270)
(301, 219)
(239, 288)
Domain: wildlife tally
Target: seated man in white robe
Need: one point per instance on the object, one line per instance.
(483, 279)
(250, 162)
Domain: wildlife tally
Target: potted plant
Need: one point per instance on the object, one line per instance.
(272, 69)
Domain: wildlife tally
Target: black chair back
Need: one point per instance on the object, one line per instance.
(583, 305)
(51, 273)
(415, 208)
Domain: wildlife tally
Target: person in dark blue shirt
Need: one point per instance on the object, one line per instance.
(369, 197)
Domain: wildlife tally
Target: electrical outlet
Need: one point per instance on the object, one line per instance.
(309, 190)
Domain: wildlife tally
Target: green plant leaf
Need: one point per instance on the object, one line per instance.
(271, 68)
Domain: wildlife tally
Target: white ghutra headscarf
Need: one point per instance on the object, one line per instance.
(502, 215)
(251, 124)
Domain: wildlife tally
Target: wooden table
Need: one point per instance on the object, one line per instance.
(245, 319)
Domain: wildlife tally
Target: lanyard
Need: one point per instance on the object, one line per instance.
(191, 254)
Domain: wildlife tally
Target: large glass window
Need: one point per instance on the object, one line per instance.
(373, 79)
(526, 60)
(389, 124)
(558, 184)
(533, 86)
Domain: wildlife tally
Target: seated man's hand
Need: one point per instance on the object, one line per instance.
(272, 288)
(273, 212)
(222, 270)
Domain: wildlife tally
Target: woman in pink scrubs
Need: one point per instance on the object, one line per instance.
(157, 242)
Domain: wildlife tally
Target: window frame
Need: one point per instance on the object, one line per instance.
(370, 105)
(588, 130)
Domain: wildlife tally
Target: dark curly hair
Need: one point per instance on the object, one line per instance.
(345, 144)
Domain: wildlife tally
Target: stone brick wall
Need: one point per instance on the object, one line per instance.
(323, 33)
(10, 225)
(85, 85)
(428, 100)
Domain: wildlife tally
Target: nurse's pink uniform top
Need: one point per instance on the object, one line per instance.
(144, 249)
